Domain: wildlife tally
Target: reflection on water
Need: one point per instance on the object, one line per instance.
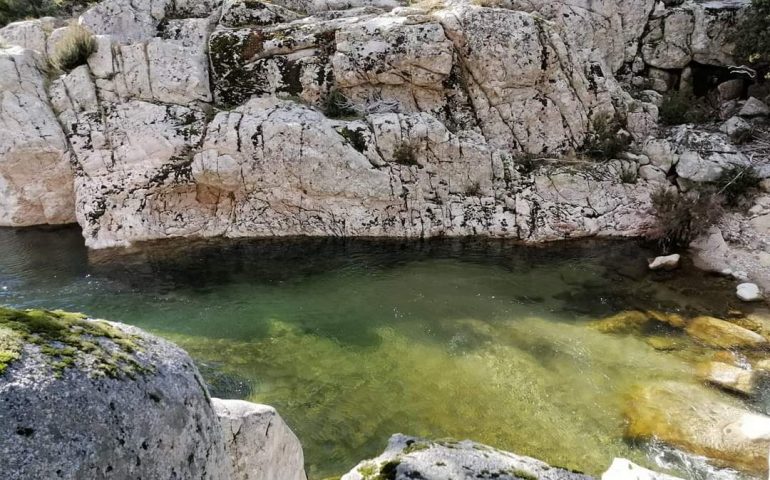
(355, 340)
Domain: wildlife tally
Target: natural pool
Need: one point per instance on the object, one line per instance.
(355, 340)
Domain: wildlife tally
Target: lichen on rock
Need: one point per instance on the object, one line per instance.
(67, 340)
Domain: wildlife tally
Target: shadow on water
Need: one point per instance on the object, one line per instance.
(355, 339)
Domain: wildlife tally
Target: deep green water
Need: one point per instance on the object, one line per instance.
(355, 340)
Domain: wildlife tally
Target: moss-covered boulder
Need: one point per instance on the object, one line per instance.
(409, 457)
(702, 421)
(84, 398)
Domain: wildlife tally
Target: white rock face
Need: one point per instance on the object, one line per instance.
(392, 174)
(169, 69)
(35, 173)
(622, 469)
(409, 457)
(748, 292)
(30, 34)
(451, 104)
(669, 262)
(259, 443)
(128, 21)
(690, 32)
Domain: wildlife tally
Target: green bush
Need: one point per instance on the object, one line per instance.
(681, 106)
(752, 36)
(683, 216)
(606, 141)
(338, 106)
(736, 183)
(73, 49)
(404, 154)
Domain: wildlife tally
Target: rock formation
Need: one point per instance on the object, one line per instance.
(409, 457)
(234, 118)
(87, 398)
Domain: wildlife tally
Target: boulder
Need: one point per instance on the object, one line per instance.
(92, 399)
(754, 107)
(738, 129)
(703, 155)
(622, 469)
(731, 89)
(259, 443)
(719, 428)
(727, 376)
(36, 178)
(89, 398)
(721, 334)
(668, 262)
(410, 457)
(748, 292)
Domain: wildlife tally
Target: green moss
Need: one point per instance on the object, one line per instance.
(64, 338)
(416, 447)
(524, 475)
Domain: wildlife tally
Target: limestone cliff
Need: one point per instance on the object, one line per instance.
(347, 118)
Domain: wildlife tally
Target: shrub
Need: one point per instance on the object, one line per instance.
(473, 190)
(338, 106)
(683, 216)
(73, 49)
(606, 141)
(355, 138)
(752, 36)
(404, 154)
(735, 183)
(681, 106)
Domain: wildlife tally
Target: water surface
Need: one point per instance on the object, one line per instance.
(355, 340)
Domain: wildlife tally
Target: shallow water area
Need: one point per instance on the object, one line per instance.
(353, 340)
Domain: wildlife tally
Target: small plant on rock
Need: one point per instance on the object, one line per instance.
(607, 140)
(339, 106)
(681, 106)
(735, 184)
(73, 49)
(683, 216)
(473, 190)
(404, 154)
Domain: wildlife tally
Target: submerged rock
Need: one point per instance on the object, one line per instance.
(721, 334)
(700, 421)
(669, 262)
(727, 376)
(410, 457)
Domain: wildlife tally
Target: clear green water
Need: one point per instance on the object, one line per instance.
(355, 340)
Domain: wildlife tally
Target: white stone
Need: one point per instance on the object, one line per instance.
(622, 469)
(669, 262)
(754, 107)
(748, 292)
(259, 443)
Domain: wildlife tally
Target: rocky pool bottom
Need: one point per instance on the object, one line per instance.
(354, 340)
